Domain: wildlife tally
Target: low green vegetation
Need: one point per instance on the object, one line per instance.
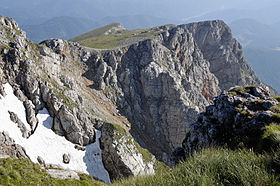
(3, 46)
(120, 131)
(259, 165)
(116, 39)
(53, 85)
(242, 111)
(277, 98)
(275, 109)
(69, 103)
(276, 117)
(271, 137)
(24, 172)
(214, 167)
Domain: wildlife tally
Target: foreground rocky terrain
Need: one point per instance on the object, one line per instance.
(99, 105)
(244, 117)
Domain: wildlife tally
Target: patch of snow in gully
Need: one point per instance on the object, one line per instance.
(45, 143)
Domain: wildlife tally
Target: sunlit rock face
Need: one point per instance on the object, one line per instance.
(55, 115)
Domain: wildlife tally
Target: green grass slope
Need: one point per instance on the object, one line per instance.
(97, 39)
(208, 167)
(94, 33)
(24, 172)
(215, 167)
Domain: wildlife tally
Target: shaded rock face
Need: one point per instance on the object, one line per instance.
(224, 53)
(236, 118)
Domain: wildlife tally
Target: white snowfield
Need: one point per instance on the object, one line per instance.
(46, 144)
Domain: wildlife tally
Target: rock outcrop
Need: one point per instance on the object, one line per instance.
(63, 174)
(237, 119)
(122, 156)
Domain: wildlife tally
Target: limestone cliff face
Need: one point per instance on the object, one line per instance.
(224, 53)
(153, 88)
(161, 84)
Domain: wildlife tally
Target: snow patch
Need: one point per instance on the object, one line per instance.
(45, 143)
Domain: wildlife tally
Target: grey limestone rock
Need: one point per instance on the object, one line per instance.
(121, 157)
(224, 53)
(30, 115)
(8, 148)
(63, 174)
(14, 118)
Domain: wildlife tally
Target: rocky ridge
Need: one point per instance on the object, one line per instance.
(153, 88)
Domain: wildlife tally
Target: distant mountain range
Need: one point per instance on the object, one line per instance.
(261, 44)
(59, 27)
(254, 34)
(66, 27)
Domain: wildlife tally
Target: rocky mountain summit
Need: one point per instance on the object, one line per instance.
(147, 93)
(242, 117)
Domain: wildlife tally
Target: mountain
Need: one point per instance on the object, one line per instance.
(112, 113)
(59, 27)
